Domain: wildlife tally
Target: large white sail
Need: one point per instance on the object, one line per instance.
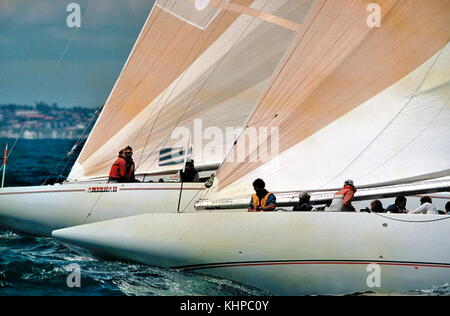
(351, 101)
(208, 60)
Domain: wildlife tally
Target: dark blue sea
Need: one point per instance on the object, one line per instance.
(38, 266)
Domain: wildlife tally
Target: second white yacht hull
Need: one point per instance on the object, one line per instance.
(283, 253)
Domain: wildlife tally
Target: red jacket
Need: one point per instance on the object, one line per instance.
(348, 192)
(119, 169)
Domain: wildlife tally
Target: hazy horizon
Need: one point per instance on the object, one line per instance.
(33, 36)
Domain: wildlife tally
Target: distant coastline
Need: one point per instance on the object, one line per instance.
(46, 121)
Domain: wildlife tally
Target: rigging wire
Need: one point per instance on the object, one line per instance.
(183, 24)
(151, 69)
(102, 116)
(286, 61)
(178, 82)
(73, 150)
(101, 194)
(94, 116)
(419, 87)
(163, 95)
(106, 163)
(411, 141)
(193, 198)
(124, 93)
(213, 71)
(49, 79)
(44, 90)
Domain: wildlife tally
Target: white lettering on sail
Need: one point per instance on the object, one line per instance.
(74, 18)
(197, 13)
(201, 4)
(261, 143)
(374, 18)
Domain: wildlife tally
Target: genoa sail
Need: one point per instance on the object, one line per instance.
(194, 61)
(352, 101)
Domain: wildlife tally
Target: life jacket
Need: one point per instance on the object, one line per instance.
(258, 202)
(342, 200)
(118, 169)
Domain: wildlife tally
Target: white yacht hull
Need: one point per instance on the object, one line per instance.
(283, 253)
(41, 209)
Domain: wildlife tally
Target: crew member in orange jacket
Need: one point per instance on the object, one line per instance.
(118, 172)
(262, 200)
(342, 200)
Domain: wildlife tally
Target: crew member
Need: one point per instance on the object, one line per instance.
(304, 203)
(399, 206)
(130, 167)
(425, 207)
(190, 174)
(117, 174)
(262, 200)
(376, 207)
(342, 200)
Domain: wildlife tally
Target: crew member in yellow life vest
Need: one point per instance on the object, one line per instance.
(262, 200)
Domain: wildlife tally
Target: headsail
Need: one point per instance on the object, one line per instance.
(208, 60)
(371, 104)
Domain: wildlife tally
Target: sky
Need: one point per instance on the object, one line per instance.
(34, 35)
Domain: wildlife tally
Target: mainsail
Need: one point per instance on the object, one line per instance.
(353, 101)
(206, 60)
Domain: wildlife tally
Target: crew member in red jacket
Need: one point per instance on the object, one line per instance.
(342, 200)
(118, 172)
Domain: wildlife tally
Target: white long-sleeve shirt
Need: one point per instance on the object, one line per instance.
(425, 208)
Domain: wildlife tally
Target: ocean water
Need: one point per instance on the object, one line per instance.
(41, 266)
(38, 266)
(32, 162)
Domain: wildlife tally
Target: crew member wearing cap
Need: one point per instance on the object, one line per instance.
(304, 203)
(342, 200)
(190, 174)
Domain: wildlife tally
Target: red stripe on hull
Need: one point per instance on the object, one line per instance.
(317, 262)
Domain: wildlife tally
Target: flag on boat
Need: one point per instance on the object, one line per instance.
(174, 156)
